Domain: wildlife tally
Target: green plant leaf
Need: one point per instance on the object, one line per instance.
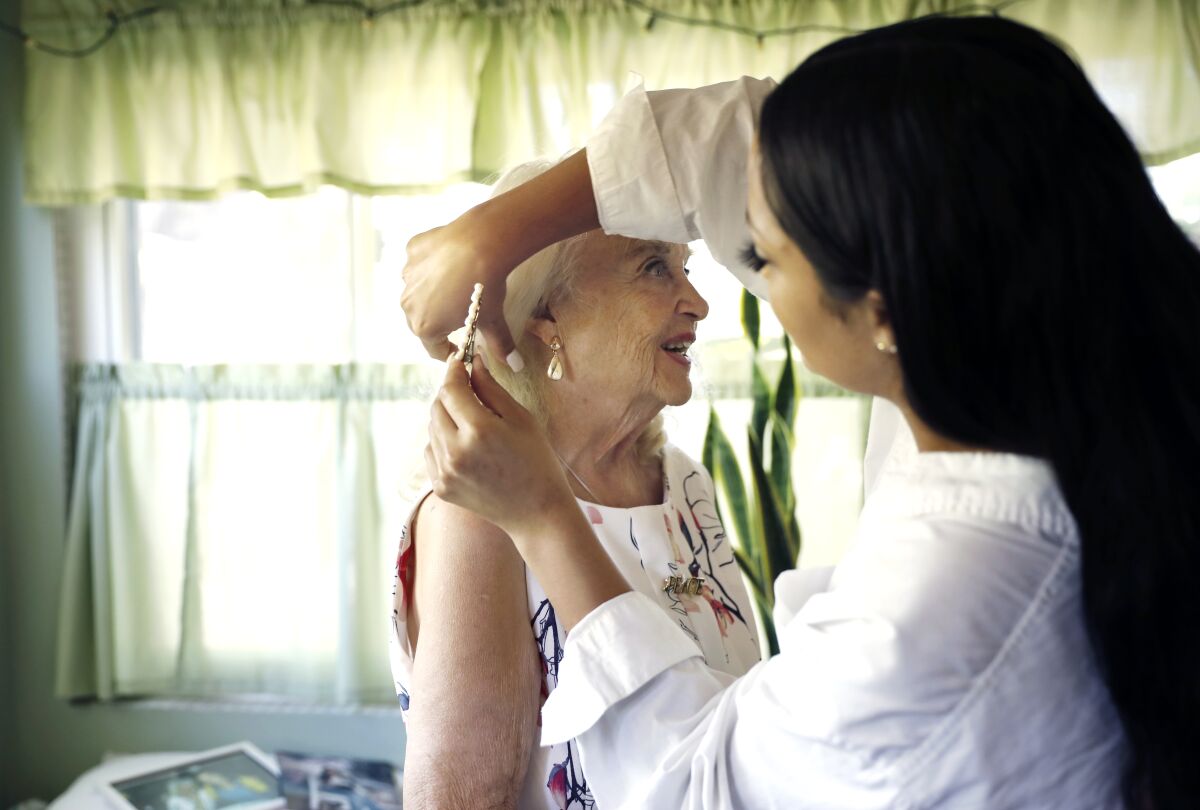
(750, 570)
(762, 401)
(706, 453)
(780, 470)
(786, 393)
(750, 319)
(794, 541)
(723, 466)
(772, 638)
(774, 540)
(783, 442)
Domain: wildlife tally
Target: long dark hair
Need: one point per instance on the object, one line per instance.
(1043, 302)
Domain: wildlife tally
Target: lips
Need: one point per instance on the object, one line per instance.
(677, 347)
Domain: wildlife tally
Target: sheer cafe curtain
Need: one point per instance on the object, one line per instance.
(232, 527)
(232, 531)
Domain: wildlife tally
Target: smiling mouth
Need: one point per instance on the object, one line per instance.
(678, 350)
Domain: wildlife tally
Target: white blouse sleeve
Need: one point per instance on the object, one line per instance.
(663, 730)
(909, 678)
(671, 165)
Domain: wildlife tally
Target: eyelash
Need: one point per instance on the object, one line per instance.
(687, 271)
(751, 259)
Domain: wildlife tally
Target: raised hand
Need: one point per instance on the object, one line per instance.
(488, 454)
(484, 245)
(444, 264)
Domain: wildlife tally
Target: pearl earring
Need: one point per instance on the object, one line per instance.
(885, 347)
(555, 371)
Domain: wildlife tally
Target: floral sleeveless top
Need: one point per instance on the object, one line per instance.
(680, 540)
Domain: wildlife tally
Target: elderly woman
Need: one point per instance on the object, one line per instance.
(605, 323)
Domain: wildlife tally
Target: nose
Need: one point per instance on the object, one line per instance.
(691, 302)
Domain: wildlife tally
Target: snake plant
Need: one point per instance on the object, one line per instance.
(762, 513)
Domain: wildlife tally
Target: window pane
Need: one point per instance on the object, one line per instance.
(1178, 186)
(386, 337)
(245, 279)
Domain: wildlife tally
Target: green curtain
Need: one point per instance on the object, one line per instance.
(232, 530)
(284, 95)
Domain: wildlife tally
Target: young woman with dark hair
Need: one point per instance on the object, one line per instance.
(946, 217)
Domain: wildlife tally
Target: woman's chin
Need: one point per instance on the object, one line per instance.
(679, 395)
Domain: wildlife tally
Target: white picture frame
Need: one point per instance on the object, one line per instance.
(232, 777)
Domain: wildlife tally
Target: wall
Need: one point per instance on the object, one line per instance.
(45, 743)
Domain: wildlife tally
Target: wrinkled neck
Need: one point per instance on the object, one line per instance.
(602, 450)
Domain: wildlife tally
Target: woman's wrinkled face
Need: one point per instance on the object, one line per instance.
(628, 325)
(835, 340)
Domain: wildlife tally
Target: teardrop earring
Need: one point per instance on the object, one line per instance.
(555, 371)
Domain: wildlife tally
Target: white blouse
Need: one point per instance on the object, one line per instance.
(944, 663)
(682, 536)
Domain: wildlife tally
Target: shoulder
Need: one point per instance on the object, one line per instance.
(685, 472)
(991, 522)
(967, 543)
(979, 529)
(919, 565)
(677, 463)
(1015, 494)
(934, 598)
(468, 575)
(919, 609)
(455, 525)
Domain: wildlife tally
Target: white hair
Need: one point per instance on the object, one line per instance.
(544, 279)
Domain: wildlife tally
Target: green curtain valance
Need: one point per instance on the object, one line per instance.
(284, 95)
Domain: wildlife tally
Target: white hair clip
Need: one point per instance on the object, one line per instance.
(464, 336)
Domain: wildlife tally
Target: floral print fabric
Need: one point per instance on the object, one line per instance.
(682, 536)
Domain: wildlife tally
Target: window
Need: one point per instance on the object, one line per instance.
(1178, 186)
(257, 410)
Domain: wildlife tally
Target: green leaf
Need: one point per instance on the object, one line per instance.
(786, 393)
(762, 401)
(750, 317)
(772, 638)
(706, 454)
(750, 570)
(794, 542)
(780, 471)
(774, 540)
(723, 466)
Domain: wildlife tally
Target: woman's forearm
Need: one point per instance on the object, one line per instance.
(490, 457)
(566, 558)
(553, 206)
(484, 245)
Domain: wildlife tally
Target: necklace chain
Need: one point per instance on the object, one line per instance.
(675, 584)
(576, 476)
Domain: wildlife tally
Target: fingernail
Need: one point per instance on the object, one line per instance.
(515, 361)
(452, 356)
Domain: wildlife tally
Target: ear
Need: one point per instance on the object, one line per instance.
(544, 328)
(879, 321)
